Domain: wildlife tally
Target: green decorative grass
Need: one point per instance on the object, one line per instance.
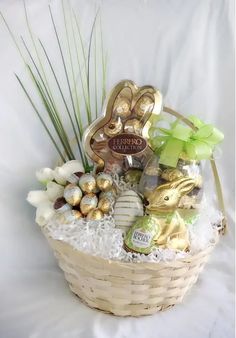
(84, 90)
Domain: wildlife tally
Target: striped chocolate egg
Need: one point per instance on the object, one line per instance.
(128, 207)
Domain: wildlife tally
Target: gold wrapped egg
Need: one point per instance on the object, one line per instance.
(70, 216)
(88, 203)
(72, 194)
(133, 176)
(111, 193)
(171, 174)
(113, 128)
(122, 108)
(87, 183)
(104, 181)
(133, 126)
(104, 205)
(144, 105)
(95, 215)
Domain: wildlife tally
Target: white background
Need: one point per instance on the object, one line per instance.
(185, 48)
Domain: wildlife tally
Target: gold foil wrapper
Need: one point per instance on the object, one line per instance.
(87, 183)
(70, 216)
(88, 203)
(72, 194)
(133, 126)
(114, 128)
(122, 108)
(143, 106)
(95, 215)
(104, 205)
(104, 181)
(171, 174)
(133, 176)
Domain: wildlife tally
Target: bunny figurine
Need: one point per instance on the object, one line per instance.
(163, 202)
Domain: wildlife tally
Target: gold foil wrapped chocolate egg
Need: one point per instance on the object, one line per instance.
(111, 194)
(95, 215)
(105, 204)
(153, 171)
(72, 194)
(144, 105)
(122, 108)
(113, 128)
(87, 183)
(88, 203)
(104, 181)
(70, 216)
(133, 176)
(171, 174)
(133, 126)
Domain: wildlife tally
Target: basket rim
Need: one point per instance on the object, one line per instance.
(60, 245)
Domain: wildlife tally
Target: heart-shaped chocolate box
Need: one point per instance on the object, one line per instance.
(118, 140)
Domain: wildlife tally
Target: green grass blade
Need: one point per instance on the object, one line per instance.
(41, 119)
(63, 98)
(78, 113)
(88, 61)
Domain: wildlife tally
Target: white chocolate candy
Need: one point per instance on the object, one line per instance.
(128, 207)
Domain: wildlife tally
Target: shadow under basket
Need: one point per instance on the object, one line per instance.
(128, 289)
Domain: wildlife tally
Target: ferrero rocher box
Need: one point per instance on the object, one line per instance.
(118, 140)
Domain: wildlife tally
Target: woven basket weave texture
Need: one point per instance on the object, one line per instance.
(128, 289)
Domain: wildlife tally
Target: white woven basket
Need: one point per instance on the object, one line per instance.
(128, 289)
(133, 289)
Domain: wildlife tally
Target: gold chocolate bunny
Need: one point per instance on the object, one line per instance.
(163, 202)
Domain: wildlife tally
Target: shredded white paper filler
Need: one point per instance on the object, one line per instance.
(101, 238)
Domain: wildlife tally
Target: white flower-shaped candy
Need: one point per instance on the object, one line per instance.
(72, 167)
(54, 191)
(60, 175)
(37, 197)
(44, 213)
(45, 175)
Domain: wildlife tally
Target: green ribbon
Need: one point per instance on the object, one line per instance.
(179, 139)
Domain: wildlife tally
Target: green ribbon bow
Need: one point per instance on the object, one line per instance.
(179, 139)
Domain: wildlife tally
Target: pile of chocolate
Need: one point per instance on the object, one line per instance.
(86, 196)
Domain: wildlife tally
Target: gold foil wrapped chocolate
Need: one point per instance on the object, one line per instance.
(111, 193)
(133, 176)
(87, 183)
(114, 128)
(70, 216)
(171, 174)
(144, 105)
(72, 194)
(122, 108)
(88, 203)
(105, 205)
(133, 126)
(155, 175)
(95, 215)
(104, 181)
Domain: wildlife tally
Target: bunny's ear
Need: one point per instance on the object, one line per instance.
(183, 184)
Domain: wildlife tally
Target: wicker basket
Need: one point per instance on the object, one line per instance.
(133, 289)
(128, 289)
